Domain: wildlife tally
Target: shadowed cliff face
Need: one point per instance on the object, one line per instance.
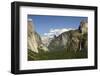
(71, 40)
(83, 27)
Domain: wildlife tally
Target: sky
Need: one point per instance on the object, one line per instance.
(46, 25)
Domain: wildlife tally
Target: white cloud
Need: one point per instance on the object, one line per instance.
(49, 34)
(56, 32)
(29, 19)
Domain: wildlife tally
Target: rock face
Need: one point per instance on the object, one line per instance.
(71, 40)
(34, 39)
(83, 27)
(46, 41)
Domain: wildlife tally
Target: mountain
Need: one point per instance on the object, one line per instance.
(72, 40)
(34, 39)
(46, 40)
(72, 44)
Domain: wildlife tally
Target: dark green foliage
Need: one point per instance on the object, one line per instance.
(53, 55)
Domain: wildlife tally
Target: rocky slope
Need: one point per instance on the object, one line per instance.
(72, 40)
(46, 41)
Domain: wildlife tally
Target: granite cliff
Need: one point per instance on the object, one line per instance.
(34, 39)
(71, 40)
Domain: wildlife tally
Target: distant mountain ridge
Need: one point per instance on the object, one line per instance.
(71, 40)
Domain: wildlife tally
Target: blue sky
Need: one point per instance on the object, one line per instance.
(43, 23)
